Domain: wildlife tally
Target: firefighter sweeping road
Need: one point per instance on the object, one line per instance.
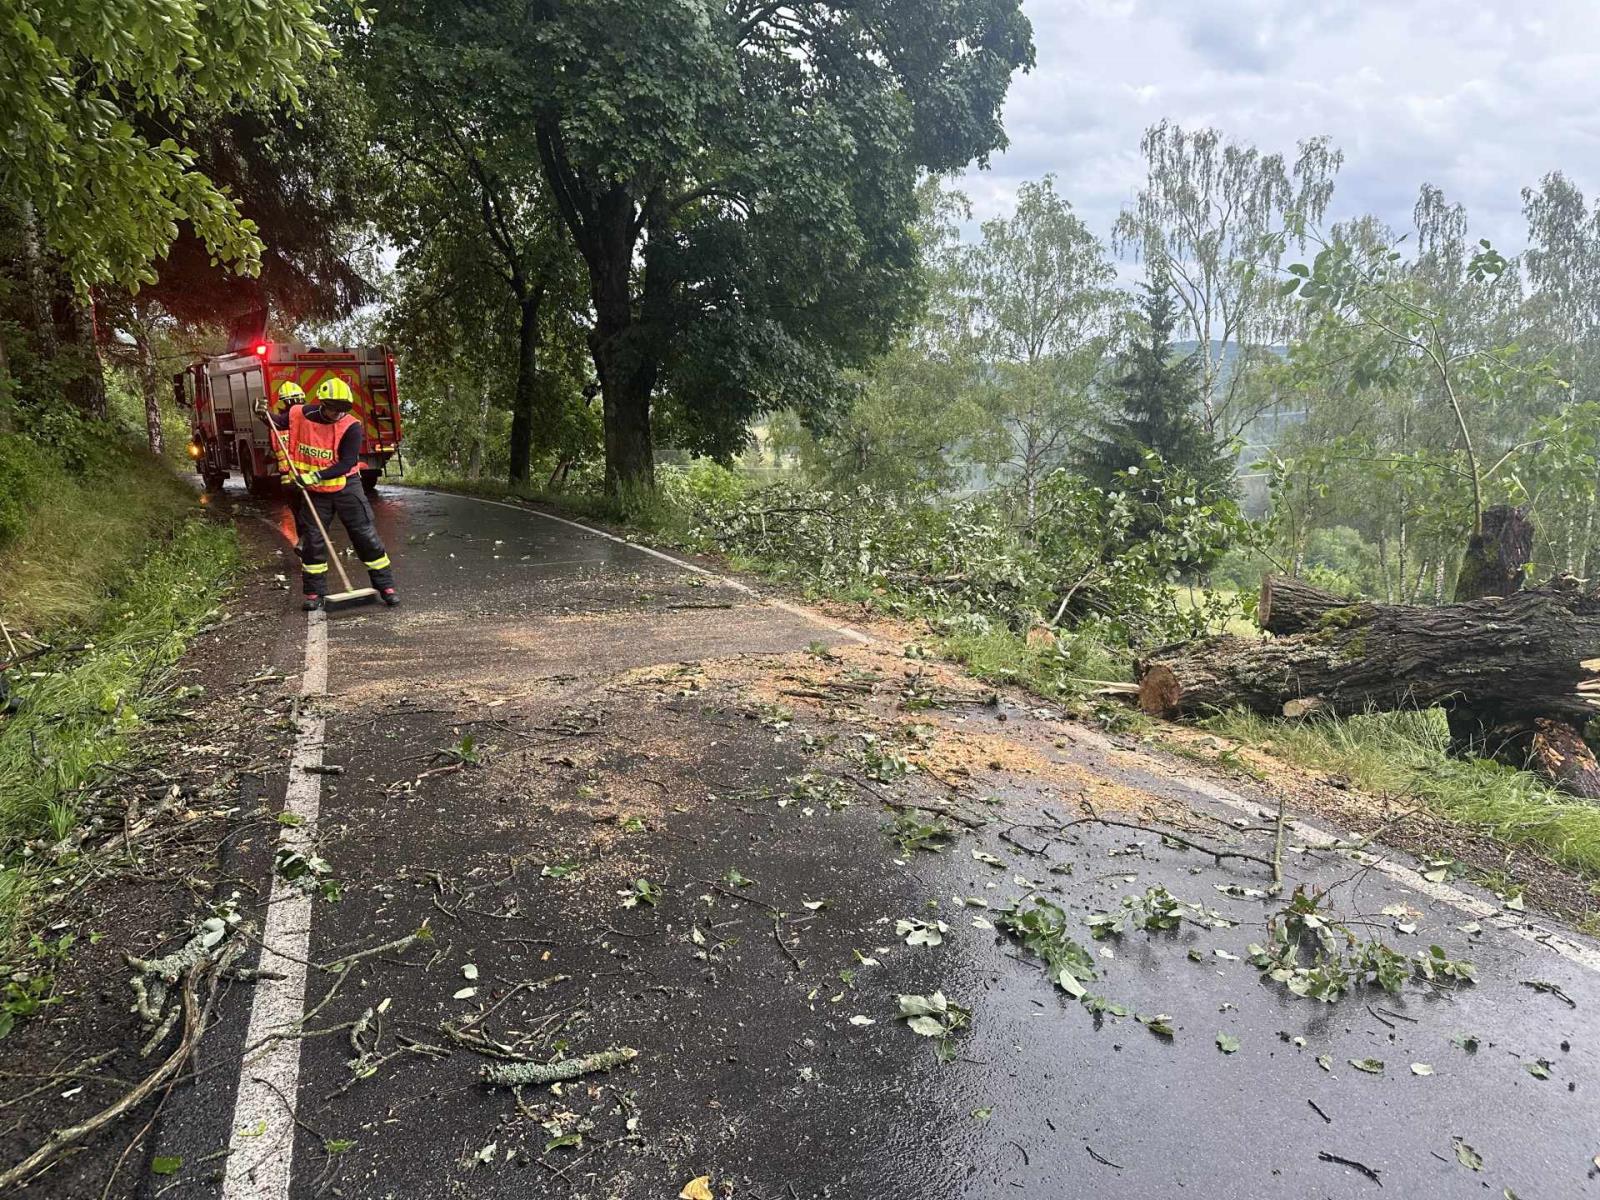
(640, 807)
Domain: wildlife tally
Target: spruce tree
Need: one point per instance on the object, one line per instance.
(1155, 405)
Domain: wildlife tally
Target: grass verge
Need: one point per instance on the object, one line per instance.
(71, 530)
(142, 599)
(1406, 753)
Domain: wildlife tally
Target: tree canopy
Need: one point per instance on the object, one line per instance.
(738, 181)
(82, 76)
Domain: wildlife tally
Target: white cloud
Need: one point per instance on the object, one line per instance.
(1480, 99)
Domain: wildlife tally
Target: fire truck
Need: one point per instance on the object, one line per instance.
(221, 393)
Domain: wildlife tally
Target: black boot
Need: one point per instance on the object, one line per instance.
(311, 603)
(390, 596)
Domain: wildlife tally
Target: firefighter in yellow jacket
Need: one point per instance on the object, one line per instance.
(324, 443)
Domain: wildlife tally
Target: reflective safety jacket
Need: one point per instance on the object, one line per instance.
(314, 446)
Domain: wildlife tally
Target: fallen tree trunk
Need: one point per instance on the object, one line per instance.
(1557, 752)
(1288, 605)
(1507, 660)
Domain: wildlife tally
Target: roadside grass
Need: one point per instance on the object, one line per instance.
(76, 530)
(1406, 753)
(114, 567)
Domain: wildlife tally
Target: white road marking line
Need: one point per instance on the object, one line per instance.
(261, 1162)
(792, 609)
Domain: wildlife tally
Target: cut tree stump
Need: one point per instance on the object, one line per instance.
(1506, 660)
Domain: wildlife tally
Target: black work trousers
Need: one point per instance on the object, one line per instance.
(351, 507)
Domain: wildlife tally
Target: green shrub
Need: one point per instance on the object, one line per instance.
(22, 475)
(78, 717)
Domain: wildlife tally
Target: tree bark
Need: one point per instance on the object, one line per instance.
(149, 387)
(525, 399)
(1557, 751)
(1288, 606)
(78, 350)
(1506, 661)
(1496, 558)
(36, 280)
(627, 372)
(606, 225)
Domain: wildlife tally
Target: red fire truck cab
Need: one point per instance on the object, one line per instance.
(221, 393)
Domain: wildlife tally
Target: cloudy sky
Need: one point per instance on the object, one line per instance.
(1480, 97)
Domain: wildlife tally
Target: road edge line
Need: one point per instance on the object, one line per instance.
(263, 1109)
(1519, 927)
(728, 581)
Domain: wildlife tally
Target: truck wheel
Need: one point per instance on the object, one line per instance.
(253, 484)
(369, 480)
(214, 480)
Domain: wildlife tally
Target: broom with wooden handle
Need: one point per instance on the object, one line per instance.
(350, 594)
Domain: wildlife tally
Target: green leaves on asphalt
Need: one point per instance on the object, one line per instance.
(1466, 1155)
(1042, 931)
(1227, 1043)
(935, 1016)
(643, 892)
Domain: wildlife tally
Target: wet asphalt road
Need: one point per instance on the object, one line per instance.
(770, 1058)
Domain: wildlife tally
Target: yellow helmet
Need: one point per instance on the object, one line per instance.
(290, 392)
(335, 392)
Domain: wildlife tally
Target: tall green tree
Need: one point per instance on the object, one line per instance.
(914, 417)
(467, 195)
(1042, 313)
(81, 78)
(738, 180)
(107, 106)
(1215, 217)
(1155, 403)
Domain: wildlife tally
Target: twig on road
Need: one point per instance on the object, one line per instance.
(59, 1139)
(776, 913)
(1102, 1159)
(1370, 1172)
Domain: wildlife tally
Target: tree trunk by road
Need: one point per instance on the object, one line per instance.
(606, 227)
(1557, 751)
(76, 349)
(149, 386)
(525, 398)
(1550, 748)
(627, 370)
(1505, 660)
